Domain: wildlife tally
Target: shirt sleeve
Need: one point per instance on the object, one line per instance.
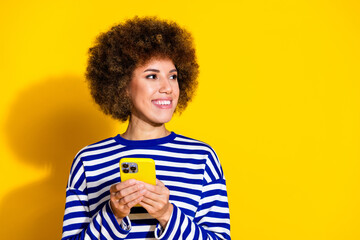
(212, 220)
(78, 222)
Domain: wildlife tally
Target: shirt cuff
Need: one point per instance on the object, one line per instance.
(160, 232)
(126, 224)
(124, 227)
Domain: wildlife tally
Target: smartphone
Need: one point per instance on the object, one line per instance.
(142, 169)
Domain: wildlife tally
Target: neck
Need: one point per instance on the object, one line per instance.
(139, 130)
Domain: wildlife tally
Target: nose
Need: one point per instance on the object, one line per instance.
(165, 86)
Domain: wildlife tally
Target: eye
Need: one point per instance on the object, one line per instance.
(151, 76)
(173, 77)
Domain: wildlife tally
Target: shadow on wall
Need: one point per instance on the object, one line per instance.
(48, 124)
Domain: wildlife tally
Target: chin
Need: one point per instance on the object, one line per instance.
(161, 120)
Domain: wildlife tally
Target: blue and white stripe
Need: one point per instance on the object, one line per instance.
(189, 168)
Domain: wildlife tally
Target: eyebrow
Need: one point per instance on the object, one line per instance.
(156, 70)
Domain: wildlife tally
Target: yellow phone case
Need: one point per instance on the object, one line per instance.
(142, 169)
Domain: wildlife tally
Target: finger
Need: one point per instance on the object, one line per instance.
(117, 187)
(147, 206)
(159, 183)
(135, 201)
(129, 190)
(154, 200)
(131, 197)
(151, 188)
(121, 185)
(159, 190)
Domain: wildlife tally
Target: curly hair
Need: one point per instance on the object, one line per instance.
(117, 52)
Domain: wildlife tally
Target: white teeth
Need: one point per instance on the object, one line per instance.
(166, 102)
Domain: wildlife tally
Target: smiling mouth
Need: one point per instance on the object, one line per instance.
(162, 103)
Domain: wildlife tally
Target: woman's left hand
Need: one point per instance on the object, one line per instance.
(156, 202)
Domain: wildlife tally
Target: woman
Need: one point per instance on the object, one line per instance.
(143, 71)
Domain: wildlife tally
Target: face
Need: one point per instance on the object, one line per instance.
(154, 91)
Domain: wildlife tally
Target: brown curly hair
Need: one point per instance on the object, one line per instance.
(124, 47)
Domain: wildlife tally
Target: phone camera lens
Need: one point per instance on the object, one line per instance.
(125, 165)
(133, 168)
(126, 170)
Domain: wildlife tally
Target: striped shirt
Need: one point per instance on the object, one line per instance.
(189, 168)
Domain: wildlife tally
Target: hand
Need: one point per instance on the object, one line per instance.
(156, 202)
(125, 195)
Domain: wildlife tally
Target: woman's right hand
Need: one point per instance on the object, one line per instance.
(125, 195)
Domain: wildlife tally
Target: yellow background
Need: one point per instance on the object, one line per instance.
(278, 99)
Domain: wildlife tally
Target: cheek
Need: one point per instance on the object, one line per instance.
(139, 92)
(176, 90)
